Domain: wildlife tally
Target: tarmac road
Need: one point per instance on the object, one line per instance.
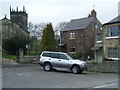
(33, 76)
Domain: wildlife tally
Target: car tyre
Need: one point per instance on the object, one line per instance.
(75, 69)
(47, 67)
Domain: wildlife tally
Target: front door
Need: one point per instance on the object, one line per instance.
(100, 55)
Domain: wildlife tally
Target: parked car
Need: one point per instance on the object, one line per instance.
(53, 60)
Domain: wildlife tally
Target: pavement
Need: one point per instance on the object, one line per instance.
(7, 63)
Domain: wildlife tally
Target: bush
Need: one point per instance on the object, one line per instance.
(78, 55)
(13, 44)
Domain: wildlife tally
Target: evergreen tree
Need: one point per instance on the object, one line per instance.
(48, 39)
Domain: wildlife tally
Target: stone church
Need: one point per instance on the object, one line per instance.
(16, 25)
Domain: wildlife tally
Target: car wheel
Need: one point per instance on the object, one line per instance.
(75, 69)
(47, 67)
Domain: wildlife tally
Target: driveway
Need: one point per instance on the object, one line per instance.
(33, 76)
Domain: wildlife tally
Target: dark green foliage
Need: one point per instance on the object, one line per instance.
(78, 55)
(48, 39)
(34, 48)
(13, 44)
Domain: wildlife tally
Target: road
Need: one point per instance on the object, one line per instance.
(35, 77)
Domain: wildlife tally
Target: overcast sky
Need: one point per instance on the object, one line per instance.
(56, 11)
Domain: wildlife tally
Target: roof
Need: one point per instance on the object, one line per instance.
(115, 20)
(96, 47)
(77, 24)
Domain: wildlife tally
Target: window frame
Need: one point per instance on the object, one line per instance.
(112, 31)
(113, 52)
(72, 48)
(72, 35)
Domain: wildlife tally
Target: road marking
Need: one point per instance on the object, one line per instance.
(106, 85)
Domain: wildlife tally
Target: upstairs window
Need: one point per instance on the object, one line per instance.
(112, 31)
(99, 37)
(72, 35)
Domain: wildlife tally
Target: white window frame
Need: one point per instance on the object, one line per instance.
(111, 31)
(72, 35)
(112, 53)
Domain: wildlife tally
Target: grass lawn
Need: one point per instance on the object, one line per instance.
(13, 57)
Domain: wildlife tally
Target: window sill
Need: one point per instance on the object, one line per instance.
(99, 41)
(112, 37)
(72, 52)
(114, 58)
(71, 38)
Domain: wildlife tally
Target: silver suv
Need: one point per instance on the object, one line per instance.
(54, 60)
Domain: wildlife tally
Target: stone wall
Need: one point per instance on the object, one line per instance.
(29, 59)
(105, 66)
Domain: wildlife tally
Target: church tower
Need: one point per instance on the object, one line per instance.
(19, 17)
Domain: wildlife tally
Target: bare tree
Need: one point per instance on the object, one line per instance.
(60, 27)
(36, 29)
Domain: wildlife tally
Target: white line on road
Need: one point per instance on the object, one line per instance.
(106, 85)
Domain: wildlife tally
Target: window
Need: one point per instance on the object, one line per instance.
(96, 26)
(72, 35)
(46, 54)
(62, 56)
(112, 31)
(112, 53)
(54, 55)
(72, 49)
(99, 38)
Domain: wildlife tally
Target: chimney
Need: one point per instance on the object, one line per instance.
(17, 8)
(94, 13)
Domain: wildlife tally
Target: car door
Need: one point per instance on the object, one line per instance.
(54, 59)
(63, 61)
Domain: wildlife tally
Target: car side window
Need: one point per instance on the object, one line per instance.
(62, 56)
(55, 55)
(46, 54)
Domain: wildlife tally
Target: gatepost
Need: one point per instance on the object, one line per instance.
(21, 55)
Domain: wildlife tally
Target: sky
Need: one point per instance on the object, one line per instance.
(56, 11)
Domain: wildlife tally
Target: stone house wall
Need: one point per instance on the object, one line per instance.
(109, 42)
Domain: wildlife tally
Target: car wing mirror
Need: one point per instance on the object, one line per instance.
(68, 59)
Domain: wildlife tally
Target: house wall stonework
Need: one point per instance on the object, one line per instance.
(109, 42)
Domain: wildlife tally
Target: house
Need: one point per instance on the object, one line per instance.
(78, 35)
(17, 25)
(107, 41)
(98, 46)
(111, 39)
